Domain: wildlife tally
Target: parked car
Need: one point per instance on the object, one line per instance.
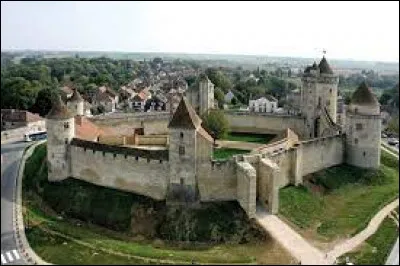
(393, 141)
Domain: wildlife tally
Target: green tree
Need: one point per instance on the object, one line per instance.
(216, 123)
(219, 96)
(44, 101)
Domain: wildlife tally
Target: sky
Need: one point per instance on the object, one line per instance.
(346, 30)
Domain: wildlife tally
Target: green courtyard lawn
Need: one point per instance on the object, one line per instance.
(352, 197)
(226, 153)
(249, 137)
(376, 249)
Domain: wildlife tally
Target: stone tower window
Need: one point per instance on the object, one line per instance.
(66, 125)
(330, 90)
(181, 150)
(364, 153)
(181, 135)
(359, 126)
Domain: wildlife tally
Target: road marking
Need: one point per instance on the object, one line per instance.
(16, 255)
(8, 256)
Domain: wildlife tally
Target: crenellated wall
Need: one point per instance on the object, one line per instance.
(138, 171)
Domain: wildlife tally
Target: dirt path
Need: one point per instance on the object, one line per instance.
(303, 251)
(373, 225)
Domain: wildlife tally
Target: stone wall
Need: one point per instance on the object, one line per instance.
(321, 153)
(126, 123)
(135, 174)
(264, 123)
(246, 187)
(217, 181)
(267, 188)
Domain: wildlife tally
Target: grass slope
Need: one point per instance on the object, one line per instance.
(352, 197)
(376, 248)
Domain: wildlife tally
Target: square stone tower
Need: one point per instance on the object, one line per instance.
(318, 97)
(189, 149)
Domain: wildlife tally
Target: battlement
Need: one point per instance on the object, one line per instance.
(127, 151)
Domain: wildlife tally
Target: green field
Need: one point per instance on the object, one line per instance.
(350, 198)
(376, 248)
(226, 153)
(247, 137)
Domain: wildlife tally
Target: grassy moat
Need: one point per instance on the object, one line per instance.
(74, 222)
(339, 202)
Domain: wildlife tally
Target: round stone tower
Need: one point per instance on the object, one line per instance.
(75, 103)
(60, 124)
(318, 95)
(363, 129)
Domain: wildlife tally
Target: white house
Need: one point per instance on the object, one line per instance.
(267, 104)
(229, 96)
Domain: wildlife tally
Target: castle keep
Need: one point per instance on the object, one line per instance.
(181, 169)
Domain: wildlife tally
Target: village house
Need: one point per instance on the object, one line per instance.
(267, 104)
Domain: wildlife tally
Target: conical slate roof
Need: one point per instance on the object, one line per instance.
(324, 66)
(364, 96)
(59, 110)
(185, 116)
(76, 97)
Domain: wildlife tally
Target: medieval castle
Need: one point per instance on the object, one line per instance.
(180, 168)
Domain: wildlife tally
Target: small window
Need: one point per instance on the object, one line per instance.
(355, 110)
(126, 156)
(104, 153)
(364, 153)
(182, 181)
(137, 158)
(148, 160)
(115, 155)
(356, 141)
(181, 135)
(330, 90)
(358, 126)
(181, 150)
(66, 125)
(66, 141)
(160, 161)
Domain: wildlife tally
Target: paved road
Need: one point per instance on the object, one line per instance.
(11, 154)
(393, 258)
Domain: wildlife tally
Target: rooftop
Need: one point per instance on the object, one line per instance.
(59, 110)
(185, 116)
(364, 96)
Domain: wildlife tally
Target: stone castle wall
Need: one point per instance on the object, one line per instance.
(217, 181)
(126, 123)
(321, 153)
(264, 122)
(138, 171)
